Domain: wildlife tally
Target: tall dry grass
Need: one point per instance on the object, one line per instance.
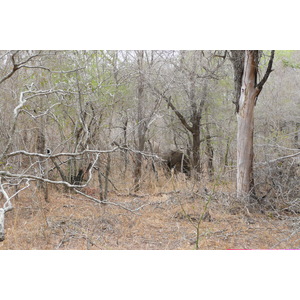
(169, 209)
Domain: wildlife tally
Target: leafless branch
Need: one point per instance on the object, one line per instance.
(279, 158)
(38, 178)
(268, 72)
(52, 71)
(170, 104)
(109, 202)
(17, 66)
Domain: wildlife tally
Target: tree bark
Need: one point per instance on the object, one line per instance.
(237, 58)
(141, 128)
(245, 119)
(209, 148)
(2, 233)
(41, 148)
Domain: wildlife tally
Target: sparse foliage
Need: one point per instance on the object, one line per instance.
(157, 125)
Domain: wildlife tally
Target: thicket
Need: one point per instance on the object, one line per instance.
(108, 121)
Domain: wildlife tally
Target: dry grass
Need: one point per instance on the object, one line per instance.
(168, 220)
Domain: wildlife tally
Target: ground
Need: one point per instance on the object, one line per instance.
(158, 220)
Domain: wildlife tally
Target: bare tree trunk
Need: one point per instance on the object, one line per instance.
(245, 118)
(196, 149)
(209, 149)
(226, 156)
(245, 151)
(107, 173)
(2, 232)
(101, 195)
(141, 122)
(296, 136)
(125, 153)
(41, 148)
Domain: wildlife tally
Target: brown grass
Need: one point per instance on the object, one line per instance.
(168, 220)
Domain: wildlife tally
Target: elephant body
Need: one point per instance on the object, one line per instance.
(178, 161)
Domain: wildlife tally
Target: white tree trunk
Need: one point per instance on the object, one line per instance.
(245, 119)
(2, 215)
(247, 90)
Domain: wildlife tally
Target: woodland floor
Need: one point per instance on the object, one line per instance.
(166, 220)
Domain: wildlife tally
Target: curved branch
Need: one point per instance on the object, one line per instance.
(170, 104)
(268, 72)
(16, 66)
(179, 115)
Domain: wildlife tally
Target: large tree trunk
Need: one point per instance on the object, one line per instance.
(245, 119)
(249, 91)
(245, 148)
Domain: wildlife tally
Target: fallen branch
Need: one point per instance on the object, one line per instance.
(110, 203)
(279, 158)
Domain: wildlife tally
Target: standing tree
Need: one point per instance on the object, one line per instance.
(146, 109)
(246, 65)
(141, 128)
(192, 72)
